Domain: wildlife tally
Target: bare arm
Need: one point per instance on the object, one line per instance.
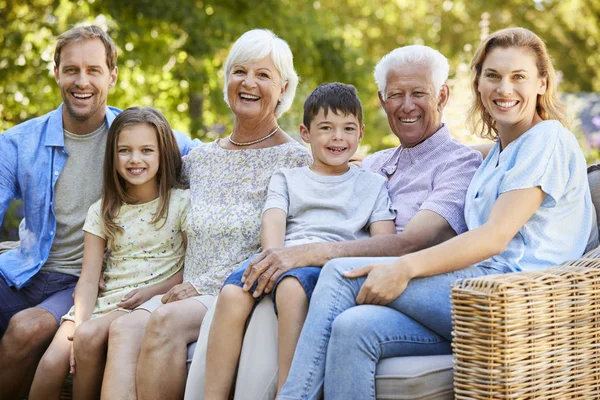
(386, 281)
(86, 290)
(382, 228)
(272, 229)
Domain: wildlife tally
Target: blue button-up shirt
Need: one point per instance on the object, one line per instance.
(32, 156)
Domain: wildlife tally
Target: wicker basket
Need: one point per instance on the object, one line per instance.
(529, 335)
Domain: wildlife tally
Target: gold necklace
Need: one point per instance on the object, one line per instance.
(254, 141)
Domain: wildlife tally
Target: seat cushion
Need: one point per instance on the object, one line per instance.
(415, 378)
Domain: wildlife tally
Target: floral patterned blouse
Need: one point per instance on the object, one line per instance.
(144, 253)
(228, 189)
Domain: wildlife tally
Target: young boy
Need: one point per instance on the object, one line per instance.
(328, 201)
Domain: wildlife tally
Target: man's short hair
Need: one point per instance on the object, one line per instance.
(415, 54)
(84, 33)
(335, 97)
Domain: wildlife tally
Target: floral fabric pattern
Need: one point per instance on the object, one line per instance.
(144, 253)
(228, 189)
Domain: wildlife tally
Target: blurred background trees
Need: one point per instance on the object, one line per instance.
(171, 52)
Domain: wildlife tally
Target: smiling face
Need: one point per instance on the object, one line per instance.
(84, 81)
(254, 89)
(509, 86)
(413, 109)
(333, 139)
(138, 161)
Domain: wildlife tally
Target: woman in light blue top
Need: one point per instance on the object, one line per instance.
(528, 206)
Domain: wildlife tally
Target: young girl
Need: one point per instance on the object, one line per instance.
(139, 222)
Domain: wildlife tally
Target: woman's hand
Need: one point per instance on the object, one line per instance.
(179, 292)
(135, 298)
(384, 283)
(269, 265)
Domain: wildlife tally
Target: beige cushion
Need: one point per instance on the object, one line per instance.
(415, 378)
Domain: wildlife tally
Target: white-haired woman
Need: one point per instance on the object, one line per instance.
(228, 183)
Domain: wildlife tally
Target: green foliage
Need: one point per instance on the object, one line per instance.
(171, 53)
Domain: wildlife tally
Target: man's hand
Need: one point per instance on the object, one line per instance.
(179, 292)
(269, 265)
(134, 298)
(384, 283)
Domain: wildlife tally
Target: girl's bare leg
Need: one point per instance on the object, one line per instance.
(225, 341)
(90, 342)
(124, 344)
(292, 307)
(54, 365)
(162, 368)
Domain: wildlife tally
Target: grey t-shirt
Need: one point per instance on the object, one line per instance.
(77, 188)
(328, 208)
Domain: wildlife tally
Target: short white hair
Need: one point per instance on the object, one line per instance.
(414, 54)
(259, 43)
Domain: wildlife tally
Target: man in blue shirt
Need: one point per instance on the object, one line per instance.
(54, 163)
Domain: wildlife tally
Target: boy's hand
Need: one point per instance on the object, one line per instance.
(71, 357)
(179, 292)
(269, 265)
(134, 298)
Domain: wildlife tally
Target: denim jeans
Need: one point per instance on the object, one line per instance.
(351, 339)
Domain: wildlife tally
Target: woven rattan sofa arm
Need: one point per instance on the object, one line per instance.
(529, 335)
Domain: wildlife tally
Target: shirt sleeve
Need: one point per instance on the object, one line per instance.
(8, 174)
(185, 205)
(94, 222)
(550, 169)
(383, 210)
(447, 197)
(277, 194)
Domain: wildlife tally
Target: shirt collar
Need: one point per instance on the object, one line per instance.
(419, 151)
(54, 132)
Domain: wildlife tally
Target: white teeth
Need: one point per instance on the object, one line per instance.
(136, 171)
(505, 104)
(410, 120)
(249, 96)
(82, 95)
(337, 149)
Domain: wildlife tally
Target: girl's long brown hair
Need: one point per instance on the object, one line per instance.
(548, 105)
(115, 189)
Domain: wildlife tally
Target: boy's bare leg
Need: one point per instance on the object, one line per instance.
(90, 343)
(292, 307)
(53, 368)
(225, 341)
(162, 367)
(124, 344)
(26, 338)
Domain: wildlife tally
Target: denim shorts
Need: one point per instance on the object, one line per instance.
(307, 276)
(51, 291)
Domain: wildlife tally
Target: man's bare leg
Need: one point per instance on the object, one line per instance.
(28, 335)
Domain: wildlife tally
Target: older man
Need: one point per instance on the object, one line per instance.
(428, 177)
(54, 164)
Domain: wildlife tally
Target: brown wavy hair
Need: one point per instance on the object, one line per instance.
(548, 105)
(169, 168)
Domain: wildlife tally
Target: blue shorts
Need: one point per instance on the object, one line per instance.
(51, 291)
(307, 276)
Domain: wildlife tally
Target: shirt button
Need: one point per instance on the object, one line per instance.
(56, 173)
(51, 233)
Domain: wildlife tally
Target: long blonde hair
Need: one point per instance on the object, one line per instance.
(115, 193)
(548, 105)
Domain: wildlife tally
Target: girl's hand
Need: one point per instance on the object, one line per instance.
(71, 357)
(384, 283)
(134, 298)
(179, 292)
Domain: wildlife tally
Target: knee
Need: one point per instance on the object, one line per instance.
(290, 292)
(88, 337)
(231, 301)
(162, 327)
(27, 333)
(51, 362)
(124, 330)
(349, 330)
